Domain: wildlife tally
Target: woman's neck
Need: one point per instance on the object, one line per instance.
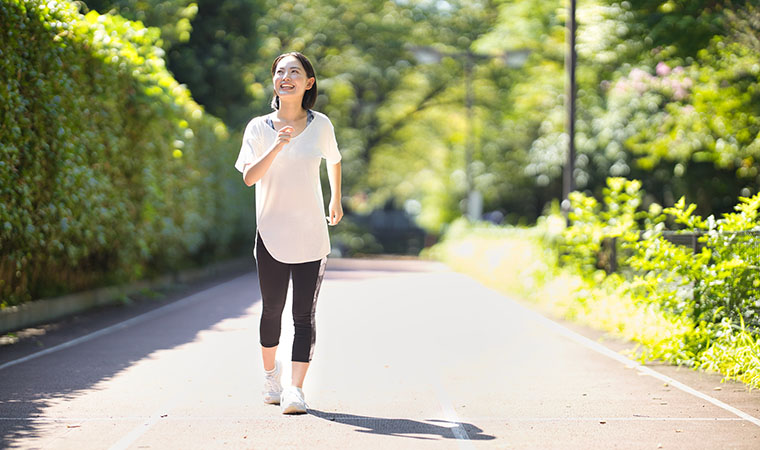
(290, 112)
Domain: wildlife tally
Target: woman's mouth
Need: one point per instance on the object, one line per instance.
(286, 87)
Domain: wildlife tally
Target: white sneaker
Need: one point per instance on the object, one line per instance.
(293, 401)
(272, 386)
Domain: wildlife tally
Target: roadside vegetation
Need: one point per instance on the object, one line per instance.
(695, 308)
(109, 171)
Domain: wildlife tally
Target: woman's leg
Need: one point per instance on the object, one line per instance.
(269, 356)
(307, 278)
(273, 282)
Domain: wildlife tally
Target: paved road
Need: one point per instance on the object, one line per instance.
(409, 355)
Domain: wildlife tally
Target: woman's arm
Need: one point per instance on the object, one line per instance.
(335, 208)
(254, 171)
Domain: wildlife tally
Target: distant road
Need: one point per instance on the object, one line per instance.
(409, 355)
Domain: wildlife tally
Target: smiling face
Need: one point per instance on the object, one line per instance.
(290, 80)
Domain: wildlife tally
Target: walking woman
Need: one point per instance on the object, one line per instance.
(281, 154)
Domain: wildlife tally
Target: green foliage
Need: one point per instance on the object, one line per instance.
(735, 353)
(110, 171)
(209, 45)
(667, 93)
(215, 62)
(401, 124)
(676, 27)
(592, 223)
(698, 309)
(363, 65)
(360, 53)
(693, 131)
(717, 280)
(714, 287)
(172, 17)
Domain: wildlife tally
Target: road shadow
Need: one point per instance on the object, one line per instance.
(407, 428)
(29, 388)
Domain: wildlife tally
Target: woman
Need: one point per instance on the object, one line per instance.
(281, 155)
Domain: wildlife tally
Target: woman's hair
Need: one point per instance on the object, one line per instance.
(310, 96)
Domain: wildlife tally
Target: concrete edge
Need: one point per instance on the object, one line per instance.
(46, 310)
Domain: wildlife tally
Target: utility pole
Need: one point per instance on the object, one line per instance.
(514, 59)
(474, 203)
(568, 180)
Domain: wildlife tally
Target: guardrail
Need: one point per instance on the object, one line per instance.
(609, 255)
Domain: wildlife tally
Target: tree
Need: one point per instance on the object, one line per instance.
(209, 44)
(215, 62)
(172, 17)
(661, 99)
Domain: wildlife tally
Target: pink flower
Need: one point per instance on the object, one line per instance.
(662, 69)
(620, 87)
(639, 75)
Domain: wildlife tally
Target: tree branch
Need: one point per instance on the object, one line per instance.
(382, 134)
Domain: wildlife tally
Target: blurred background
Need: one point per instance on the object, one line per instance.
(122, 120)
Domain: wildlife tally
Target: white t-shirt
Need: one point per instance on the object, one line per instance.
(290, 210)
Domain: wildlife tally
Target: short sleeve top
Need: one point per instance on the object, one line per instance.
(290, 210)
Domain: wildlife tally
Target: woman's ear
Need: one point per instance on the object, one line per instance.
(309, 83)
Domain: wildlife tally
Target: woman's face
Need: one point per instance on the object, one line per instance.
(290, 80)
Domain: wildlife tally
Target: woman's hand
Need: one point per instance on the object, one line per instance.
(335, 208)
(336, 212)
(283, 136)
(253, 172)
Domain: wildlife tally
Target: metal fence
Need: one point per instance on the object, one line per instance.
(611, 254)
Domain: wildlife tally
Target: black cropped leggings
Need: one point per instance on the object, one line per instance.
(273, 281)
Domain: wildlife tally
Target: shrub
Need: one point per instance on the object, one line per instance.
(110, 171)
(698, 309)
(714, 286)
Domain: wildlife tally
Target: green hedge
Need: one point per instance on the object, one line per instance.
(109, 171)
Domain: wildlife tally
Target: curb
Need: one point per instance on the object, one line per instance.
(47, 310)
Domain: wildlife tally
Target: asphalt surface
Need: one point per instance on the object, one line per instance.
(409, 355)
